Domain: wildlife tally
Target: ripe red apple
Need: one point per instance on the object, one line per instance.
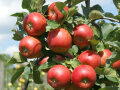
(105, 54)
(35, 24)
(30, 47)
(116, 65)
(43, 60)
(84, 76)
(54, 13)
(58, 76)
(90, 57)
(82, 34)
(59, 40)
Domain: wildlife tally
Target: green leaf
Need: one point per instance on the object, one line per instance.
(74, 63)
(72, 11)
(26, 4)
(109, 88)
(37, 76)
(117, 17)
(27, 71)
(117, 4)
(33, 5)
(111, 78)
(73, 50)
(100, 47)
(70, 28)
(51, 24)
(97, 7)
(44, 9)
(106, 28)
(108, 14)
(75, 2)
(19, 14)
(95, 14)
(85, 11)
(18, 35)
(114, 44)
(47, 65)
(60, 5)
(17, 74)
(17, 58)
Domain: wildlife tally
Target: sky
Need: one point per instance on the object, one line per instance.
(7, 22)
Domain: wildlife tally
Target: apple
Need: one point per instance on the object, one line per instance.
(54, 13)
(43, 60)
(84, 76)
(59, 40)
(116, 65)
(30, 47)
(90, 57)
(105, 54)
(58, 76)
(82, 34)
(35, 24)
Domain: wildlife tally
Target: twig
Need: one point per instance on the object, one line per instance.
(87, 2)
(26, 85)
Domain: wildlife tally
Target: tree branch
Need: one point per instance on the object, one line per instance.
(87, 2)
(26, 85)
(111, 19)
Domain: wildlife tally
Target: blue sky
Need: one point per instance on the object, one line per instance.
(8, 7)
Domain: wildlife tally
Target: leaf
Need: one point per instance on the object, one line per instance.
(114, 44)
(75, 2)
(109, 88)
(113, 79)
(106, 28)
(33, 5)
(17, 74)
(100, 47)
(26, 4)
(117, 17)
(108, 14)
(51, 24)
(37, 76)
(117, 3)
(97, 7)
(72, 11)
(70, 28)
(74, 63)
(27, 71)
(44, 9)
(17, 58)
(60, 5)
(73, 50)
(19, 14)
(18, 35)
(47, 65)
(95, 14)
(85, 11)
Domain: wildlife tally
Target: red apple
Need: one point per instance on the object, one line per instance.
(54, 13)
(59, 40)
(116, 65)
(35, 24)
(90, 57)
(30, 47)
(43, 60)
(58, 76)
(84, 76)
(105, 54)
(82, 34)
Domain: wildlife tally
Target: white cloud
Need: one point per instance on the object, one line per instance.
(10, 50)
(4, 37)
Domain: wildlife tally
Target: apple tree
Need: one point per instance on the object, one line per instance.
(78, 51)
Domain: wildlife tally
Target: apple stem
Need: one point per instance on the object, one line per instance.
(30, 26)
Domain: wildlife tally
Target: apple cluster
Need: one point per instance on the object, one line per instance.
(60, 40)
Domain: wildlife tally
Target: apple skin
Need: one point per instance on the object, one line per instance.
(105, 54)
(58, 76)
(43, 60)
(59, 40)
(35, 24)
(54, 13)
(84, 76)
(30, 47)
(116, 65)
(90, 57)
(82, 33)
